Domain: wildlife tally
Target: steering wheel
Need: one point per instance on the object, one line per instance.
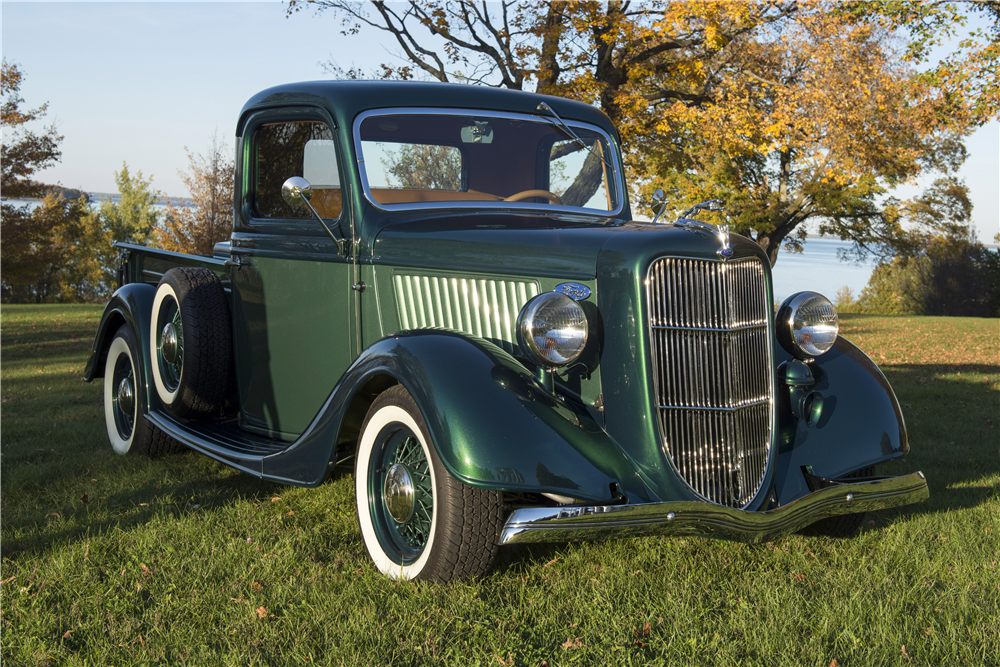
(526, 194)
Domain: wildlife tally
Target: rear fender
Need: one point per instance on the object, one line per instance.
(492, 424)
(131, 304)
(859, 425)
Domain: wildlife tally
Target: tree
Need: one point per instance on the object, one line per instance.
(24, 152)
(131, 219)
(627, 57)
(950, 277)
(820, 121)
(934, 265)
(789, 111)
(60, 250)
(968, 73)
(34, 241)
(209, 179)
(37, 247)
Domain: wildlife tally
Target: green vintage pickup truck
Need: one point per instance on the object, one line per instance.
(444, 285)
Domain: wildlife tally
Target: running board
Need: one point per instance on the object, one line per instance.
(222, 441)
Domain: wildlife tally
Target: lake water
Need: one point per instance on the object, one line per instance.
(816, 269)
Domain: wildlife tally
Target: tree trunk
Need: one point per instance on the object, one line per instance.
(548, 60)
(771, 245)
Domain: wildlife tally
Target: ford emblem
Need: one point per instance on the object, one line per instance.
(575, 291)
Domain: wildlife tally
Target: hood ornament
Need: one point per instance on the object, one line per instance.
(687, 220)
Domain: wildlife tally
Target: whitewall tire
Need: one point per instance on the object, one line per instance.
(124, 397)
(416, 520)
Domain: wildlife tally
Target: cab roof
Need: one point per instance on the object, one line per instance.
(346, 99)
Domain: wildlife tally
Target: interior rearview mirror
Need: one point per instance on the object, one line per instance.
(479, 132)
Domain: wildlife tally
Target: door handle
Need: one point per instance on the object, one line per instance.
(236, 257)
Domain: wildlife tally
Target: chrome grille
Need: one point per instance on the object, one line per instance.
(709, 331)
(482, 307)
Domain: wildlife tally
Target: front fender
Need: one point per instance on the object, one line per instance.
(492, 425)
(131, 304)
(860, 424)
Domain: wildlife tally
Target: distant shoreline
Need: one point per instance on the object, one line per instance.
(114, 196)
(98, 197)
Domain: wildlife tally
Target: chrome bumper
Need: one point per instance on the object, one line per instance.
(564, 524)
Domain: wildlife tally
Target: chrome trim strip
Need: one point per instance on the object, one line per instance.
(564, 524)
(745, 327)
(735, 408)
(483, 205)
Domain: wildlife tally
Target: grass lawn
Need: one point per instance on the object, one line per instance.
(111, 560)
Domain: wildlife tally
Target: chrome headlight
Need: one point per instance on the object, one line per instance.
(807, 324)
(553, 329)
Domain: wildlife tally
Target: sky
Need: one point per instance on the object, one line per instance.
(136, 83)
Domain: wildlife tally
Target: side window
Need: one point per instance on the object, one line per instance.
(301, 148)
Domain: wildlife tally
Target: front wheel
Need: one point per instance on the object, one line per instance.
(417, 521)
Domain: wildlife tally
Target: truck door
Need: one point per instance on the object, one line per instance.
(292, 302)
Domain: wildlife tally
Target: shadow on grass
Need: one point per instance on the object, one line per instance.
(126, 508)
(972, 369)
(952, 425)
(214, 488)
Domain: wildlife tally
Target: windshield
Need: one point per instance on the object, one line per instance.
(418, 160)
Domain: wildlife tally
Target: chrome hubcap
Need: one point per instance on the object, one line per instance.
(168, 343)
(398, 493)
(126, 398)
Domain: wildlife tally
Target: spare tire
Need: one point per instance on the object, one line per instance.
(190, 341)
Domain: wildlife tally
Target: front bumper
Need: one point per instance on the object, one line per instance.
(564, 524)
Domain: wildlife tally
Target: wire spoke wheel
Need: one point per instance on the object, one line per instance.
(170, 345)
(417, 521)
(402, 494)
(190, 343)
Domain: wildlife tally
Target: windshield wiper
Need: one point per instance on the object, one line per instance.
(547, 109)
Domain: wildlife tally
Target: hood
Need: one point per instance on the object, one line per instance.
(563, 247)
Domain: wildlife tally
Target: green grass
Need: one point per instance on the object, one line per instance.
(124, 560)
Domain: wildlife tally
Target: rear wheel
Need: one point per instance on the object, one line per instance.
(417, 521)
(124, 393)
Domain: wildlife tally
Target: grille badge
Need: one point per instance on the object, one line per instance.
(575, 291)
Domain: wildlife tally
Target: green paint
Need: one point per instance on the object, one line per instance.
(292, 335)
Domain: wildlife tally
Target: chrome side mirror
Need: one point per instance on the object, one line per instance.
(296, 192)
